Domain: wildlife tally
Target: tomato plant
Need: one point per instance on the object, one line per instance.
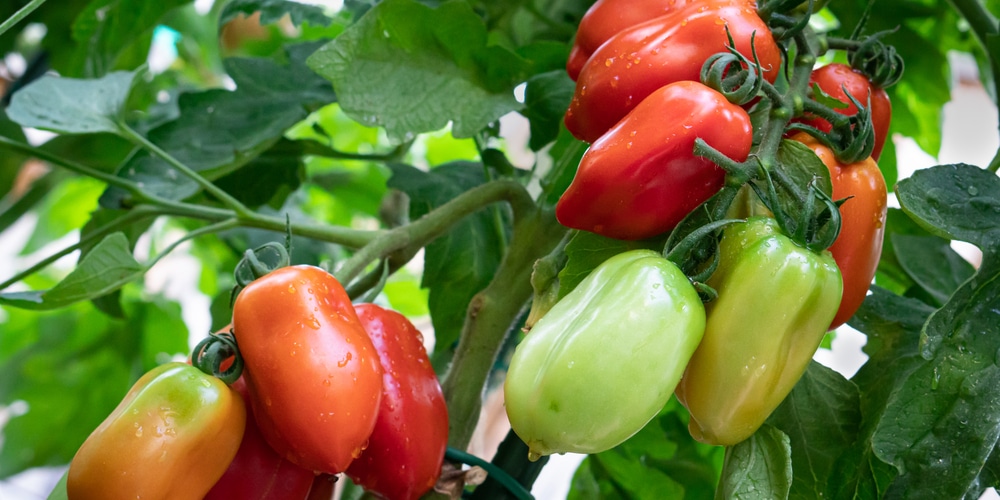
(438, 159)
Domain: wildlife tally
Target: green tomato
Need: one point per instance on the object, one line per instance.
(606, 358)
(776, 300)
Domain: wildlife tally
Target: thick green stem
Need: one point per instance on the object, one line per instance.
(435, 223)
(488, 319)
(19, 15)
(79, 168)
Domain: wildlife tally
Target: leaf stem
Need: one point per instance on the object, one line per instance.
(19, 15)
(435, 223)
(73, 166)
(239, 208)
(133, 216)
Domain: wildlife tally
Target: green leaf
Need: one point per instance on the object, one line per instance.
(891, 274)
(585, 251)
(219, 131)
(546, 99)
(71, 105)
(116, 33)
(932, 264)
(960, 202)
(759, 467)
(660, 461)
(821, 417)
(271, 11)
(105, 269)
(59, 492)
(10, 162)
(460, 263)
(411, 68)
(797, 167)
(566, 154)
(268, 178)
(65, 208)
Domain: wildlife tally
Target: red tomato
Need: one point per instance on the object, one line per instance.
(862, 226)
(257, 472)
(406, 449)
(671, 48)
(833, 79)
(606, 18)
(312, 372)
(641, 177)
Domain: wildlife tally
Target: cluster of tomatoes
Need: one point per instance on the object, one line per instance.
(641, 103)
(326, 387)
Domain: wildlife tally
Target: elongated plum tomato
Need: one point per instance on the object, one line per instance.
(257, 472)
(672, 48)
(834, 80)
(170, 438)
(605, 359)
(642, 177)
(313, 375)
(775, 302)
(862, 224)
(406, 449)
(606, 18)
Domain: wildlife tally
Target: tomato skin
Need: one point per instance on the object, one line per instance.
(672, 48)
(171, 437)
(404, 455)
(313, 375)
(258, 472)
(606, 358)
(862, 226)
(775, 302)
(642, 177)
(833, 79)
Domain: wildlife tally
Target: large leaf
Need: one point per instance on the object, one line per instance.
(821, 418)
(411, 68)
(460, 263)
(932, 264)
(942, 424)
(72, 106)
(219, 131)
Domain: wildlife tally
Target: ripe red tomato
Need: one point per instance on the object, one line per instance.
(606, 18)
(641, 177)
(313, 374)
(833, 79)
(671, 48)
(862, 227)
(406, 449)
(258, 472)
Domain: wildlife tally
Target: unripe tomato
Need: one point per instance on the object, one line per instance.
(171, 438)
(406, 449)
(834, 79)
(862, 224)
(642, 177)
(605, 359)
(634, 63)
(313, 374)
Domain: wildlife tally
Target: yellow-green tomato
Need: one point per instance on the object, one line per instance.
(775, 302)
(171, 438)
(606, 358)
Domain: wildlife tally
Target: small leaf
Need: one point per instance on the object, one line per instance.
(117, 33)
(959, 202)
(72, 106)
(59, 492)
(545, 101)
(759, 467)
(271, 11)
(105, 269)
(585, 251)
(411, 68)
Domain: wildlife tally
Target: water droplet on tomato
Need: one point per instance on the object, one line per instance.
(138, 430)
(347, 359)
(291, 288)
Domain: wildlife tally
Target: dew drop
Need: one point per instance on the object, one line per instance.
(138, 430)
